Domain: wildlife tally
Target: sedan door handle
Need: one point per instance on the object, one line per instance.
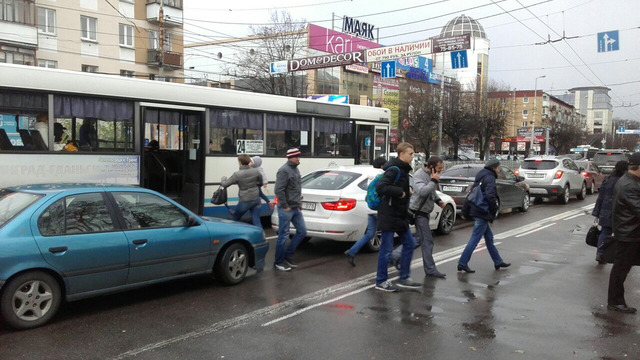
(58, 249)
(140, 241)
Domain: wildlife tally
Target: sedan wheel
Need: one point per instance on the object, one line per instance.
(583, 192)
(447, 218)
(30, 300)
(232, 267)
(591, 189)
(525, 203)
(374, 244)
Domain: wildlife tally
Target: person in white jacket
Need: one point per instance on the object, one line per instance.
(256, 162)
(372, 224)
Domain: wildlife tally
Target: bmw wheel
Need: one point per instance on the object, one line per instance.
(231, 267)
(447, 218)
(374, 244)
(525, 203)
(583, 192)
(564, 198)
(30, 300)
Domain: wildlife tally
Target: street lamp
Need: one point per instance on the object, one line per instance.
(535, 105)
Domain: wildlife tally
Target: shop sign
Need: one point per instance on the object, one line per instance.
(452, 43)
(399, 51)
(357, 68)
(356, 27)
(324, 61)
(335, 42)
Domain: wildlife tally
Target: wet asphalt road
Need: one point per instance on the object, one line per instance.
(550, 304)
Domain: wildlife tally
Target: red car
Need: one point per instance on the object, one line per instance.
(592, 173)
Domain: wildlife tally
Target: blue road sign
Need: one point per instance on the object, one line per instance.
(388, 69)
(459, 59)
(367, 141)
(608, 41)
(621, 129)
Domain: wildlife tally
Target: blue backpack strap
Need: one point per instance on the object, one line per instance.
(397, 174)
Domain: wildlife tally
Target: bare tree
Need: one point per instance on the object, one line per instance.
(490, 115)
(457, 123)
(284, 39)
(422, 113)
(566, 131)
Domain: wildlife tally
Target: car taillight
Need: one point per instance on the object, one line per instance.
(584, 173)
(558, 174)
(516, 171)
(340, 205)
(275, 200)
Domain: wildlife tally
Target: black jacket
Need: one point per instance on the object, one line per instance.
(488, 179)
(626, 209)
(288, 187)
(392, 212)
(603, 209)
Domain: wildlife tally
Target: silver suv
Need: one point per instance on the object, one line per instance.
(553, 176)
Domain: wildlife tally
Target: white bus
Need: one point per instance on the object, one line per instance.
(62, 126)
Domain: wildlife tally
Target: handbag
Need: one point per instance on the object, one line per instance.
(592, 235)
(411, 214)
(219, 196)
(476, 197)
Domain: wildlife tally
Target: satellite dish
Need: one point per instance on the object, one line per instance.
(219, 55)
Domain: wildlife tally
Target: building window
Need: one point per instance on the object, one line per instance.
(46, 21)
(19, 11)
(525, 100)
(126, 35)
(89, 68)
(525, 113)
(154, 42)
(524, 124)
(503, 113)
(89, 28)
(126, 73)
(597, 114)
(503, 101)
(14, 55)
(48, 63)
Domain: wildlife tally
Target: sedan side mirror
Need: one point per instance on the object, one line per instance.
(192, 221)
(581, 168)
(520, 178)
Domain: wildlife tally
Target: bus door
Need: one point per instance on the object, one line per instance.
(364, 144)
(173, 159)
(381, 145)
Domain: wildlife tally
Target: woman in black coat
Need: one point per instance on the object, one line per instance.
(603, 210)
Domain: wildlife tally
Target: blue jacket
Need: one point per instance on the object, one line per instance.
(488, 179)
(603, 209)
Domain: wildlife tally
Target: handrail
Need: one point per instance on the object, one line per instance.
(164, 170)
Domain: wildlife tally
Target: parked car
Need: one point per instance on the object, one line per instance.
(456, 158)
(334, 206)
(592, 173)
(77, 241)
(553, 176)
(607, 159)
(458, 180)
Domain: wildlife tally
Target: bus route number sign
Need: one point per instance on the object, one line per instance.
(249, 147)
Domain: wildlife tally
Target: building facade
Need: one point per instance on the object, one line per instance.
(595, 103)
(94, 36)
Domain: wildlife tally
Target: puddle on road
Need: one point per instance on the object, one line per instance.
(528, 270)
(404, 317)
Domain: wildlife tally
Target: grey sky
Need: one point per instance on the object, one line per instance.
(513, 59)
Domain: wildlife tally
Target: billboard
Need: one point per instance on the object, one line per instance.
(340, 99)
(335, 42)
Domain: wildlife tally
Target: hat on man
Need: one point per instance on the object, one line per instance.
(634, 159)
(293, 152)
(492, 163)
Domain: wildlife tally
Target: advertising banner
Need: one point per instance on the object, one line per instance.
(324, 61)
(452, 43)
(399, 51)
(357, 68)
(335, 42)
(414, 62)
(386, 94)
(340, 99)
(522, 146)
(505, 146)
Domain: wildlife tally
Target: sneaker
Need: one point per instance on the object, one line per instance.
(290, 263)
(408, 283)
(283, 267)
(386, 286)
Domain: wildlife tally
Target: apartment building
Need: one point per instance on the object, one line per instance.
(120, 37)
(595, 103)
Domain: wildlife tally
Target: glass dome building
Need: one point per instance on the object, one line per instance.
(461, 25)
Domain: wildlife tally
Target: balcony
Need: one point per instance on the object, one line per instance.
(172, 12)
(171, 60)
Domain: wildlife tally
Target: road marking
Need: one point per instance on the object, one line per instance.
(574, 216)
(538, 223)
(534, 230)
(446, 255)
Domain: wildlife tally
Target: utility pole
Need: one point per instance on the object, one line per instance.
(441, 117)
(161, 42)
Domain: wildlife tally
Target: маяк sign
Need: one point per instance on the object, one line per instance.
(357, 28)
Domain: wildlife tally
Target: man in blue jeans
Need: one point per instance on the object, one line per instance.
(392, 218)
(486, 180)
(288, 191)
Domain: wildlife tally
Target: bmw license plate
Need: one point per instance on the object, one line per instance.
(305, 205)
(451, 188)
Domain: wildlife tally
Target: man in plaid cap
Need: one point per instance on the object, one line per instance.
(288, 191)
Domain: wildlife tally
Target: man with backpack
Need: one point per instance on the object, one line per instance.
(394, 191)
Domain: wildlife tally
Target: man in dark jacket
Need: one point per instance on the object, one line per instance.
(288, 191)
(392, 218)
(626, 225)
(486, 179)
(603, 209)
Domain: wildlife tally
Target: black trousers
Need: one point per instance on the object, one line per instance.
(626, 256)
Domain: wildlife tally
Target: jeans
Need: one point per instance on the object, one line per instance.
(480, 227)
(372, 221)
(606, 231)
(294, 216)
(385, 252)
(262, 195)
(425, 239)
(244, 206)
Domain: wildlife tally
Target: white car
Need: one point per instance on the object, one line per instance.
(334, 206)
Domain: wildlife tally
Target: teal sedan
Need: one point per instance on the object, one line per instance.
(74, 241)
